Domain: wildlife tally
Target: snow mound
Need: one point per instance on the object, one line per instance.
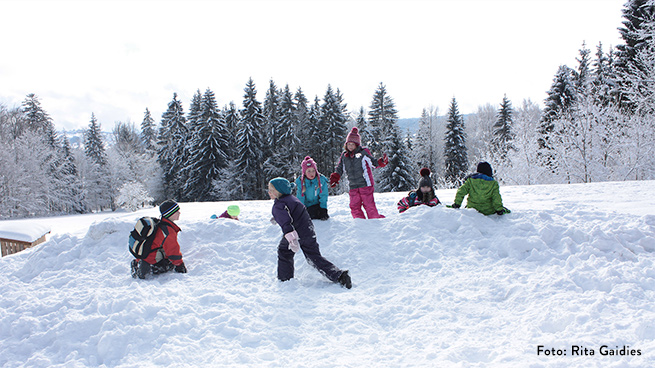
(431, 287)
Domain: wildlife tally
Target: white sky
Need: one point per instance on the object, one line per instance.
(115, 58)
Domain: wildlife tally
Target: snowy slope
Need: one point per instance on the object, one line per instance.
(433, 287)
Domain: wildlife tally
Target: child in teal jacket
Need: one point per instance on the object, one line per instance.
(312, 190)
(483, 192)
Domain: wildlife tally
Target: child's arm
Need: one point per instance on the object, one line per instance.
(403, 204)
(324, 192)
(461, 193)
(496, 199)
(299, 190)
(282, 216)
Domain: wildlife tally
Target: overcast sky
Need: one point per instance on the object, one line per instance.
(115, 58)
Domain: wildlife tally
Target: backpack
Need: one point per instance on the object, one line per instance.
(141, 238)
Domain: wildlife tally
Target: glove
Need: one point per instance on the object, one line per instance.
(292, 238)
(412, 198)
(334, 179)
(323, 214)
(455, 205)
(503, 211)
(181, 268)
(383, 161)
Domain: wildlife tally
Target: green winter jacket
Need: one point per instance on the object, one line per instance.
(483, 192)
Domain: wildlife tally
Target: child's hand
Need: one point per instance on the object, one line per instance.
(383, 161)
(292, 238)
(334, 179)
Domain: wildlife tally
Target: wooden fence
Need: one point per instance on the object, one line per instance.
(11, 246)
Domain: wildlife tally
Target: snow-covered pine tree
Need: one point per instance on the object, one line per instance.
(99, 192)
(502, 131)
(362, 125)
(332, 131)
(94, 146)
(396, 175)
(456, 159)
(71, 185)
(272, 115)
(603, 76)
(207, 153)
(285, 158)
(39, 121)
(561, 98)
(382, 120)
(148, 135)
(231, 117)
(313, 139)
(302, 126)
(250, 143)
(636, 33)
(426, 151)
(172, 150)
(582, 76)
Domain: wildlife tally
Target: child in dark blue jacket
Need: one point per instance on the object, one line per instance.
(298, 231)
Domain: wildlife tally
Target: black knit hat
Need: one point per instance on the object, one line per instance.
(485, 168)
(425, 178)
(168, 208)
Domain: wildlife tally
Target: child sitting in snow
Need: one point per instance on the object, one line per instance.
(232, 212)
(166, 254)
(312, 190)
(483, 192)
(357, 162)
(299, 234)
(423, 195)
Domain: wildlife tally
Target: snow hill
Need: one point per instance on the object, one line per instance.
(570, 271)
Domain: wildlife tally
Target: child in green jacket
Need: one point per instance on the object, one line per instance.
(483, 192)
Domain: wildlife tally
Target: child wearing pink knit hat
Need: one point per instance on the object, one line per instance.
(312, 190)
(357, 162)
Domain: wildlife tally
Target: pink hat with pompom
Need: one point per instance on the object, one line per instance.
(307, 163)
(354, 137)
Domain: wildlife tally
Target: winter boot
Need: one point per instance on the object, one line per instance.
(143, 269)
(344, 280)
(133, 267)
(162, 266)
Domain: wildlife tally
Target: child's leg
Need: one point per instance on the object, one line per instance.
(314, 258)
(368, 202)
(285, 255)
(356, 204)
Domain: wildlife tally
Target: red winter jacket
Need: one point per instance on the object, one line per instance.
(170, 248)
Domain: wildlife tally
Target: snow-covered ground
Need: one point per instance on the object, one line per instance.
(571, 268)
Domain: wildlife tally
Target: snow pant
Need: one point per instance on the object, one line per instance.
(285, 267)
(363, 197)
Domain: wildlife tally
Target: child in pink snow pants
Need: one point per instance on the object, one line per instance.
(357, 162)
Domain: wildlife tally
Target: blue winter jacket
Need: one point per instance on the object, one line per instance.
(313, 195)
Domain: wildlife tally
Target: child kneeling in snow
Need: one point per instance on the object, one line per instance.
(483, 192)
(298, 231)
(423, 195)
(312, 190)
(166, 255)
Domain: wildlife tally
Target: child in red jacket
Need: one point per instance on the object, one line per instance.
(165, 255)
